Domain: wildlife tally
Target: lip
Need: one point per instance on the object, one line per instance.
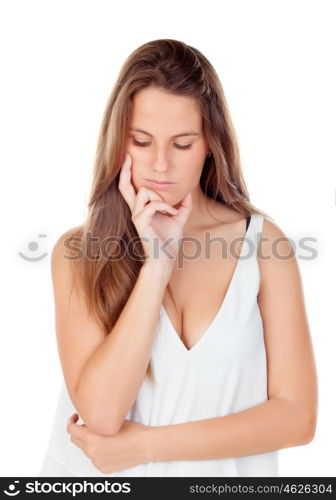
(161, 185)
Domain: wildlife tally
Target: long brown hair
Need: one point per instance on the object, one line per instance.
(176, 67)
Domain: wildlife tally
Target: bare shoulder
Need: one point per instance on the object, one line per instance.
(70, 292)
(275, 249)
(66, 248)
(278, 265)
(65, 253)
(62, 242)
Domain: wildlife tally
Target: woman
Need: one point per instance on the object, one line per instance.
(178, 361)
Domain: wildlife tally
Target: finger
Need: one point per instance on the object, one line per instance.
(184, 209)
(125, 183)
(76, 431)
(74, 417)
(143, 197)
(153, 195)
(157, 206)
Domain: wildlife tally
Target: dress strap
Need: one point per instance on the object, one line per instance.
(248, 220)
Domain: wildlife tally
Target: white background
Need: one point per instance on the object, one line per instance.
(59, 61)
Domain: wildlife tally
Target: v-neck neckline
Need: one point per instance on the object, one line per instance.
(205, 334)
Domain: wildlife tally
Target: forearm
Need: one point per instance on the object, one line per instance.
(269, 426)
(110, 381)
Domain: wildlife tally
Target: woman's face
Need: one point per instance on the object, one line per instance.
(160, 154)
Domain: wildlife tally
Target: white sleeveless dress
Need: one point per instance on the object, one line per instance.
(225, 372)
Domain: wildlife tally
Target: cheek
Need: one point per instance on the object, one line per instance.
(137, 166)
(192, 166)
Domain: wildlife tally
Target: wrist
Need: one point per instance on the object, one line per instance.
(158, 444)
(147, 444)
(160, 270)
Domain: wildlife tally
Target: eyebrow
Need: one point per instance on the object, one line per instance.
(191, 132)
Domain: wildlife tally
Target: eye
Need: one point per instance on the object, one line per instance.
(188, 146)
(144, 144)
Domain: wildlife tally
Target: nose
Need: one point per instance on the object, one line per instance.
(161, 160)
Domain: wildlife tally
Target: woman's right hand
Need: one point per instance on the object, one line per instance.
(153, 227)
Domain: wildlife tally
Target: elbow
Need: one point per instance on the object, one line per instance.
(301, 424)
(99, 424)
(105, 426)
(307, 429)
(97, 421)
